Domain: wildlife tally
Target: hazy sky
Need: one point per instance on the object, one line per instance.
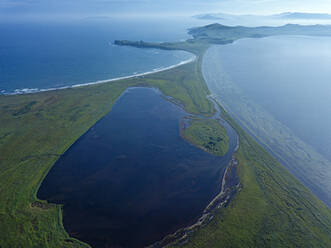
(83, 8)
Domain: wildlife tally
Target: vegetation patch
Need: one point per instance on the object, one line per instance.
(208, 134)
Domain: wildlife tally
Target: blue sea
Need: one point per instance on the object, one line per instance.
(35, 55)
(279, 89)
(290, 77)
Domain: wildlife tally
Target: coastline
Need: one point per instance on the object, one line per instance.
(37, 90)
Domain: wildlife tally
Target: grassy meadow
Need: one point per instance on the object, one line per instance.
(208, 135)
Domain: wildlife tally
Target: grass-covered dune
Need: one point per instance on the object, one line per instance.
(272, 209)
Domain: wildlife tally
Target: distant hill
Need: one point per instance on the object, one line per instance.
(300, 15)
(220, 34)
(213, 16)
(209, 17)
(285, 15)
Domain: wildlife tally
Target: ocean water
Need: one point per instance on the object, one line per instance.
(36, 55)
(279, 88)
(291, 78)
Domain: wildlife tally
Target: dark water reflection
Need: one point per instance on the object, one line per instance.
(131, 179)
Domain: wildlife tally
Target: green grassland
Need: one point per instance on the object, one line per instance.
(209, 135)
(272, 209)
(37, 128)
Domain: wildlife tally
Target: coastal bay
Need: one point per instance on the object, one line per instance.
(270, 208)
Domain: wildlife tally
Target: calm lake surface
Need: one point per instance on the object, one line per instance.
(131, 179)
(288, 76)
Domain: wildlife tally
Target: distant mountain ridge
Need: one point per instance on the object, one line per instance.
(301, 15)
(284, 15)
(220, 34)
(216, 33)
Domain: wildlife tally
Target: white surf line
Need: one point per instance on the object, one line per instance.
(36, 90)
(137, 74)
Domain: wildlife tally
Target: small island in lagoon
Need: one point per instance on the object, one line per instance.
(209, 135)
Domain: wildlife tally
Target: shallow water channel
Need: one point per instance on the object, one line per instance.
(131, 179)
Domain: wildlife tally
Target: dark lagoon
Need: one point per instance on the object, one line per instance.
(131, 179)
